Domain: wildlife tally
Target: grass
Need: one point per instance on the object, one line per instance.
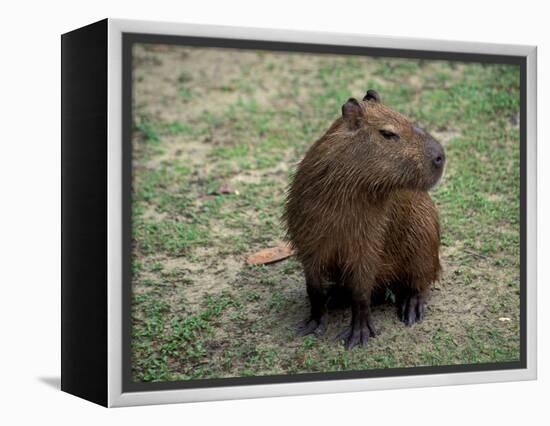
(199, 312)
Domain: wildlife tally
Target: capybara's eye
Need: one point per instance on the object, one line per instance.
(389, 135)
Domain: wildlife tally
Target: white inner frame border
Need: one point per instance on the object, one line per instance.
(116, 397)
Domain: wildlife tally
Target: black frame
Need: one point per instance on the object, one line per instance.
(84, 71)
(129, 39)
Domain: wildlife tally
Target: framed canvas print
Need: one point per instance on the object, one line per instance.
(251, 212)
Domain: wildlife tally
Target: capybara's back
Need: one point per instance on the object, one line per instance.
(358, 214)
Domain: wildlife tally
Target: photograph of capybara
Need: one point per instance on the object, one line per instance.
(289, 206)
(358, 214)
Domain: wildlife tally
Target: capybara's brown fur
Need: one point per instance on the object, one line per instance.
(359, 215)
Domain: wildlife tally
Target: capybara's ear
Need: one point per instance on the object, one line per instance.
(372, 95)
(352, 113)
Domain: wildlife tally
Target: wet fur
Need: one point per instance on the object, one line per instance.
(358, 214)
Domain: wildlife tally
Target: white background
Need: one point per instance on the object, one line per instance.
(30, 210)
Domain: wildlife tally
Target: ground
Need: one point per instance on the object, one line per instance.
(207, 117)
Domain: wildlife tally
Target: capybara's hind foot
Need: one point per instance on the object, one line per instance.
(412, 310)
(312, 326)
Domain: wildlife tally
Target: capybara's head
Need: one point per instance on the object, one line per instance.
(382, 148)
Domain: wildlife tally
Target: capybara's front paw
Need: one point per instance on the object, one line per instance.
(354, 336)
(412, 310)
(312, 326)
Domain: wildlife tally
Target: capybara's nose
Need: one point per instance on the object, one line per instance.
(438, 156)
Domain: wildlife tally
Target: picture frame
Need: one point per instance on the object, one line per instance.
(97, 126)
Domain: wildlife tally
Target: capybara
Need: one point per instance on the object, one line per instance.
(358, 214)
